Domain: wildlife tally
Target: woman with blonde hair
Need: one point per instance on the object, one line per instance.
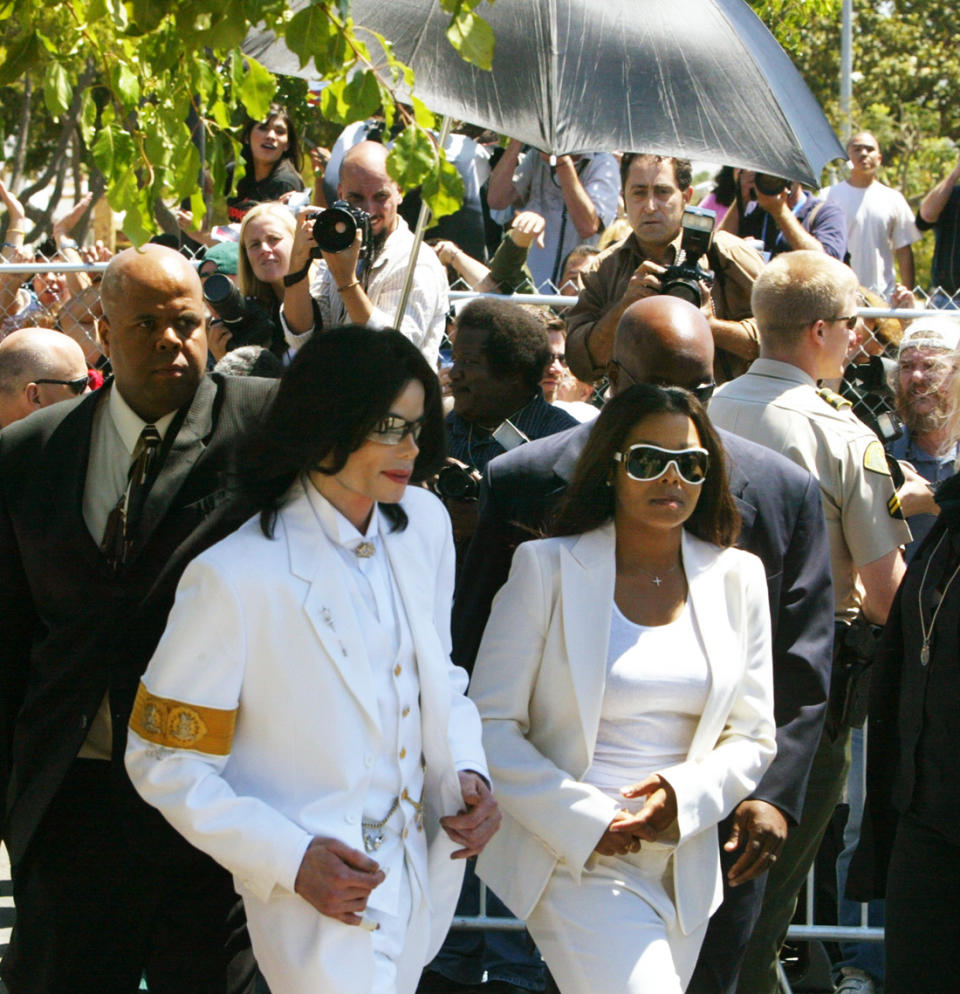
(266, 238)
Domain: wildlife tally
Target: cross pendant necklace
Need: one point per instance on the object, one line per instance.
(654, 578)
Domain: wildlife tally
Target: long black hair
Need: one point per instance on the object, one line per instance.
(590, 500)
(339, 385)
(292, 151)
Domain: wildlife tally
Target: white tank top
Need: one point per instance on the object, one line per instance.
(656, 688)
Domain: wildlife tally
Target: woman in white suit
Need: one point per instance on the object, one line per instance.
(301, 721)
(624, 683)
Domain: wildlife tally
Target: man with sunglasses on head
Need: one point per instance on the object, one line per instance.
(38, 367)
(668, 342)
(806, 309)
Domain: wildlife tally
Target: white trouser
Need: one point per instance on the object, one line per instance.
(616, 930)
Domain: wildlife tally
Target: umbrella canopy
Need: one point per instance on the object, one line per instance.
(701, 79)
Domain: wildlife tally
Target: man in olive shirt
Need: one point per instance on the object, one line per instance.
(655, 191)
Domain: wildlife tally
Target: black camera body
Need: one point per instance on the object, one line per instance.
(770, 185)
(249, 321)
(336, 228)
(458, 483)
(683, 279)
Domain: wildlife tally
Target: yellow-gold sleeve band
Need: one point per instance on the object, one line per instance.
(179, 725)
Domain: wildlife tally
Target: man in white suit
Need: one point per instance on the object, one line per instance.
(301, 721)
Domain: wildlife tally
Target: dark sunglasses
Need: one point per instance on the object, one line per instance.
(644, 462)
(393, 429)
(850, 320)
(703, 391)
(77, 386)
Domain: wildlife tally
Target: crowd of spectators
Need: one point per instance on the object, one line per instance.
(129, 392)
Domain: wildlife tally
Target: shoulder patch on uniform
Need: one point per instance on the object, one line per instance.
(875, 459)
(179, 725)
(832, 398)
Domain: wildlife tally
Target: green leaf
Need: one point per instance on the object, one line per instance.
(147, 14)
(360, 97)
(57, 90)
(103, 149)
(443, 190)
(88, 116)
(126, 86)
(473, 38)
(412, 159)
(6, 10)
(422, 115)
(229, 28)
(198, 207)
(257, 89)
(22, 54)
(311, 34)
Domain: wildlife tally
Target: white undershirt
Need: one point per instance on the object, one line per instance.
(656, 688)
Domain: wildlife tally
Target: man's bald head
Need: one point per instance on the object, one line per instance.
(365, 183)
(154, 329)
(133, 267)
(33, 354)
(662, 340)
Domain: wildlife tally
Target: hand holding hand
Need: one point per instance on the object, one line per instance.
(761, 828)
(474, 826)
(337, 880)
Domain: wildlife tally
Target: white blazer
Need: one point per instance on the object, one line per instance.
(266, 629)
(539, 683)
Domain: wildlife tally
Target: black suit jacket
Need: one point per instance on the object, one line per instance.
(783, 525)
(911, 745)
(72, 627)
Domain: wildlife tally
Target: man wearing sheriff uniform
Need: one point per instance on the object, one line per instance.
(805, 307)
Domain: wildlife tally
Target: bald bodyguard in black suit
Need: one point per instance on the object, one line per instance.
(666, 341)
(104, 888)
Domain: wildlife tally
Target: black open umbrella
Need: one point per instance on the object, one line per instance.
(702, 79)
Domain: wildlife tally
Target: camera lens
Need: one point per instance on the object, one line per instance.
(334, 229)
(452, 481)
(770, 185)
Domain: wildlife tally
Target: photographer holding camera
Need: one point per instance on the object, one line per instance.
(656, 190)
(362, 282)
(784, 217)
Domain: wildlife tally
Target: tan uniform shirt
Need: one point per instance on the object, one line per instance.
(777, 404)
(737, 266)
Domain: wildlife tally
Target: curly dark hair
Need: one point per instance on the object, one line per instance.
(339, 385)
(589, 500)
(517, 342)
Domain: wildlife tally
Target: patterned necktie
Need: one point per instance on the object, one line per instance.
(124, 518)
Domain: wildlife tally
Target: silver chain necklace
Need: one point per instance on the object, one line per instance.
(657, 580)
(925, 632)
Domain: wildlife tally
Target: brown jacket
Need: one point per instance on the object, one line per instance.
(736, 265)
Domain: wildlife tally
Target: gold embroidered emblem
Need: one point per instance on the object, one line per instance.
(179, 725)
(875, 459)
(185, 726)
